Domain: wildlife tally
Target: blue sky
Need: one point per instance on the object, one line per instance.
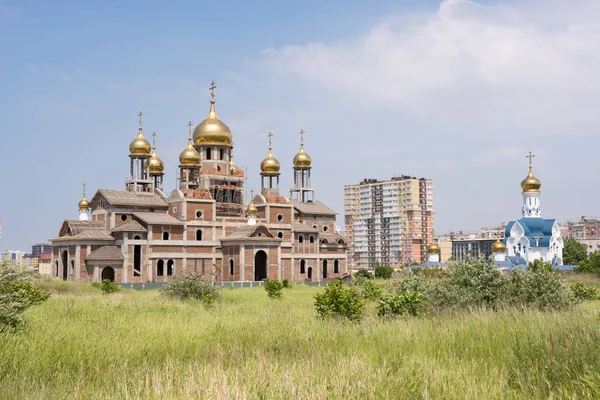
(456, 91)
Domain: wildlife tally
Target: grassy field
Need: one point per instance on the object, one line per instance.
(83, 344)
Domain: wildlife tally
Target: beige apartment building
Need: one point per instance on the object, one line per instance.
(388, 222)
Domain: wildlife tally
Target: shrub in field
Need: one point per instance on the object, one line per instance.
(273, 288)
(339, 301)
(107, 286)
(582, 292)
(363, 273)
(368, 289)
(190, 286)
(410, 303)
(286, 284)
(17, 293)
(539, 288)
(383, 271)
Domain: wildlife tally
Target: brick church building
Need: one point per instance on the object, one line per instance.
(205, 226)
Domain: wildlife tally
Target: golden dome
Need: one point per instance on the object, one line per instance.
(140, 146)
(302, 160)
(270, 165)
(433, 248)
(212, 131)
(84, 205)
(498, 247)
(189, 157)
(251, 211)
(156, 166)
(531, 183)
(234, 168)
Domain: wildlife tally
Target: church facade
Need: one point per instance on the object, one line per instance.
(204, 226)
(532, 237)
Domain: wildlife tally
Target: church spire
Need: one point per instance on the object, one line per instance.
(84, 207)
(302, 191)
(531, 192)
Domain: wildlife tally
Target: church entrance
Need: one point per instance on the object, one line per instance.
(260, 266)
(309, 273)
(108, 273)
(65, 265)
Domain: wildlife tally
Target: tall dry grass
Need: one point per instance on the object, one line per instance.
(142, 345)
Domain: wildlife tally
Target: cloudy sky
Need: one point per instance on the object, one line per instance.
(457, 91)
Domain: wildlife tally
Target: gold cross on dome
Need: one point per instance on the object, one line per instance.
(84, 190)
(190, 129)
(154, 140)
(301, 137)
(212, 89)
(530, 156)
(140, 115)
(270, 135)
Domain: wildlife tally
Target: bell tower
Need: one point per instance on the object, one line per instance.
(302, 190)
(269, 172)
(139, 153)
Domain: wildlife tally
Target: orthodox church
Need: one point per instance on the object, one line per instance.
(205, 226)
(533, 237)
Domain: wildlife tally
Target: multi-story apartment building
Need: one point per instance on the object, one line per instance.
(586, 231)
(475, 245)
(388, 222)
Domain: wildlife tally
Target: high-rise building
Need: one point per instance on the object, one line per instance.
(388, 222)
(41, 248)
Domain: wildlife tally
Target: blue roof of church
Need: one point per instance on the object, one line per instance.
(533, 227)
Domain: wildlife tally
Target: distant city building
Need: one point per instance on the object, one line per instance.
(14, 255)
(533, 237)
(41, 248)
(586, 231)
(475, 245)
(388, 222)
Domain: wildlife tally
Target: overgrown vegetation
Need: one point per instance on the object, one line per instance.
(18, 292)
(191, 286)
(363, 273)
(274, 288)
(107, 286)
(383, 271)
(339, 301)
(583, 292)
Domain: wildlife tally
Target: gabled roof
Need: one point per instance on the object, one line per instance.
(74, 227)
(131, 199)
(252, 232)
(314, 208)
(105, 253)
(157, 218)
(131, 226)
(537, 230)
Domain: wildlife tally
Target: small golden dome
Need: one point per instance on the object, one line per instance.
(189, 157)
(140, 146)
(212, 131)
(498, 247)
(84, 205)
(270, 165)
(251, 211)
(156, 166)
(531, 183)
(433, 248)
(302, 160)
(234, 168)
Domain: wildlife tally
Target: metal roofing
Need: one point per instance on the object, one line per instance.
(537, 230)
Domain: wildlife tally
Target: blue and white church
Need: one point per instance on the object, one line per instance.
(533, 237)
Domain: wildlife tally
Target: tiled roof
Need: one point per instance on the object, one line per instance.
(314, 208)
(94, 235)
(105, 253)
(133, 199)
(131, 226)
(247, 233)
(304, 228)
(157, 218)
(77, 227)
(331, 237)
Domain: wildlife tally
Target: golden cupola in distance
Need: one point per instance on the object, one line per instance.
(140, 146)
(84, 204)
(189, 157)
(531, 183)
(212, 131)
(433, 248)
(270, 165)
(302, 159)
(155, 164)
(498, 247)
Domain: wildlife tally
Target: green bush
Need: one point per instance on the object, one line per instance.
(97, 285)
(286, 284)
(383, 271)
(107, 286)
(582, 292)
(191, 286)
(17, 293)
(410, 303)
(339, 301)
(539, 288)
(363, 273)
(273, 288)
(368, 289)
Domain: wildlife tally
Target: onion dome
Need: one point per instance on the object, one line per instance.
(234, 168)
(140, 146)
(155, 164)
(433, 248)
(270, 165)
(212, 131)
(251, 210)
(531, 183)
(84, 204)
(189, 157)
(498, 247)
(302, 160)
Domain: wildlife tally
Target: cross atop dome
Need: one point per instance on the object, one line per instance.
(140, 116)
(530, 156)
(212, 90)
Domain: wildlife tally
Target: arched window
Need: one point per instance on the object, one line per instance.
(165, 235)
(137, 260)
(231, 267)
(336, 266)
(170, 267)
(208, 153)
(221, 154)
(324, 269)
(160, 268)
(341, 241)
(280, 235)
(137, 237)
(300, 239)
(199, 234)
(302, 266)
(311, 239)
(72, 267)
(325, 228)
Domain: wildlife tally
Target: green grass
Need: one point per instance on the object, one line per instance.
(141, 345)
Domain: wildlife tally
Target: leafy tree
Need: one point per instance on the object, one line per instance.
(591, 263)
(574, 252)
(383, 271)
(540, 265)
(363, 273)
(339, 301)
(273, 288)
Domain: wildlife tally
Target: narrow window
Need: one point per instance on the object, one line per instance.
(336, 266)
(208, 153)
(165, 235)
(311, 239)
(324, 269)
(300, 239)
(280, 235)
(231, 267)
(302, 266)
(137, 260)
(199, 234)
(170, 267)
(221, 154)
(160, 268)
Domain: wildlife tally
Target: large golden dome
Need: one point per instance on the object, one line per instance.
(498, 247)
(433, 248)
(212, 131)
(270, 165)
(302, 160)
(531, 183)
(140, 146)
(189, 157)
